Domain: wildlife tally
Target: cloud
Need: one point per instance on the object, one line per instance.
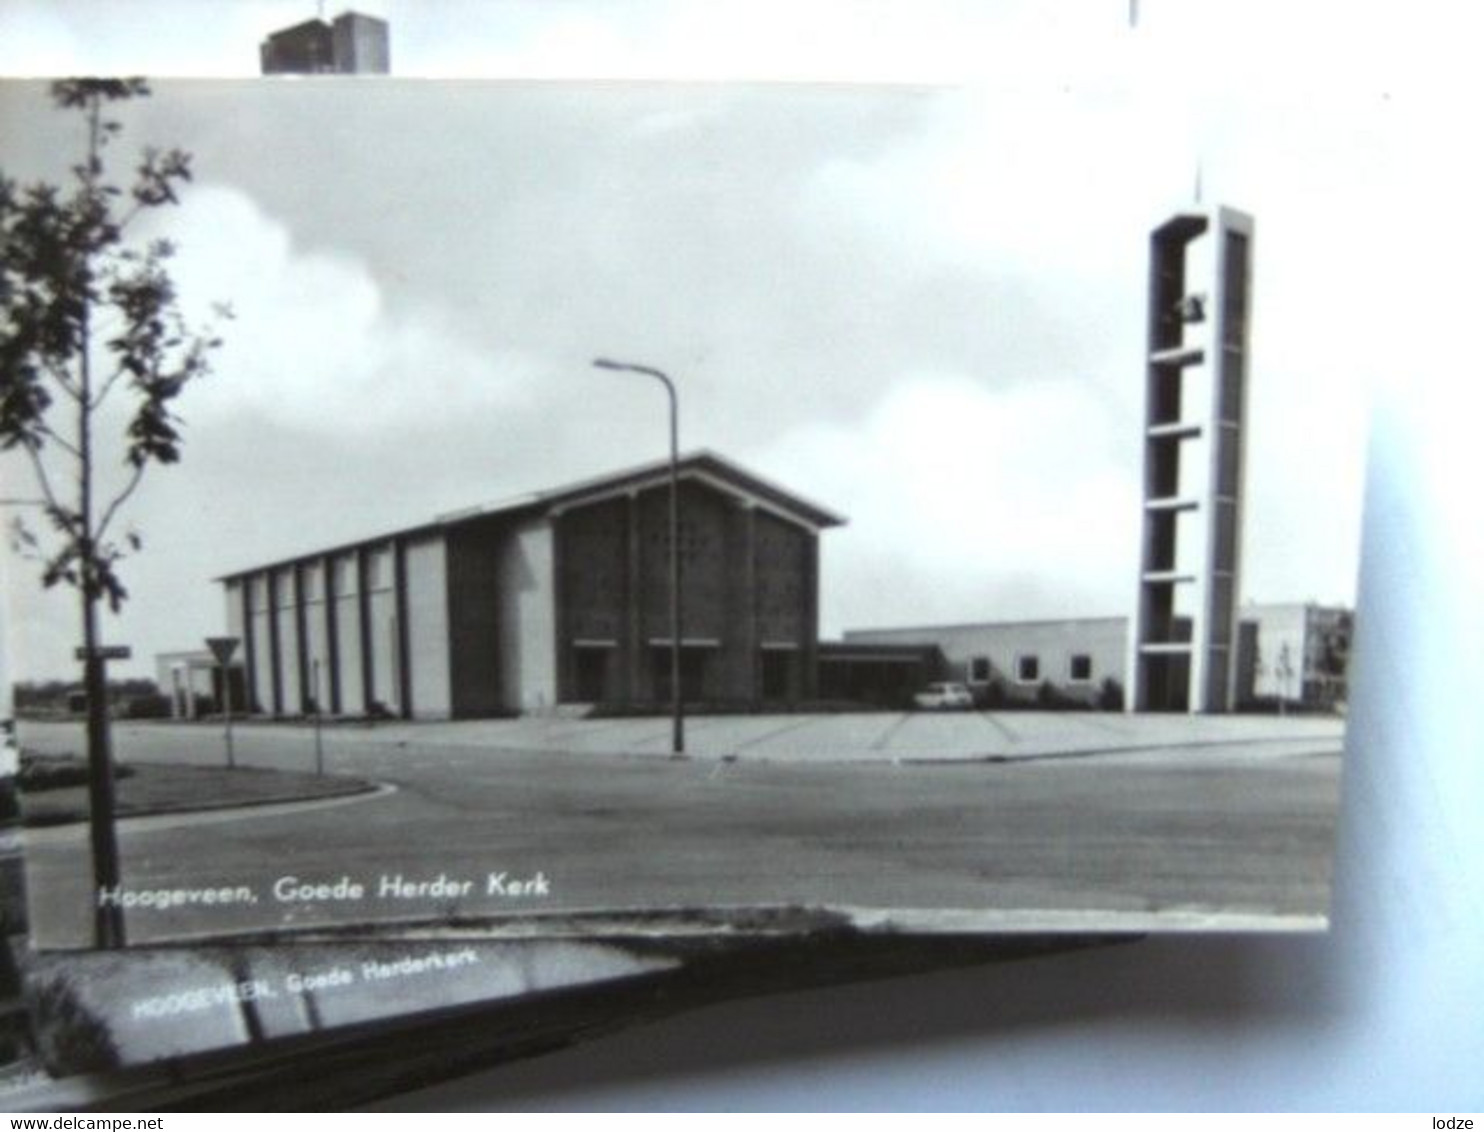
(313, 339)
(329, 409)
(966, 501)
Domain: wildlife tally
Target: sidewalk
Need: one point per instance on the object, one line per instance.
(868, 737)
(857, 737)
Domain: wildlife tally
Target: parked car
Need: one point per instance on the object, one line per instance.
(944, 697)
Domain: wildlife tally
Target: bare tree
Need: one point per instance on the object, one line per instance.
(89, 321)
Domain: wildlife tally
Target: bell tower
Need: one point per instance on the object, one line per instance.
(1185, 624)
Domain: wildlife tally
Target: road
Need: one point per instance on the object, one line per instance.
(1003, 821)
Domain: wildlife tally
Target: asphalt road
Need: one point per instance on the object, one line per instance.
(986, 822)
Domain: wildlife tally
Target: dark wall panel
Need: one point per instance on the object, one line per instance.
(473, 620)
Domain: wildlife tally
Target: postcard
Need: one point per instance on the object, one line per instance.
(579, 510)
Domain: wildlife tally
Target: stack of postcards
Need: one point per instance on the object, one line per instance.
(498, 562)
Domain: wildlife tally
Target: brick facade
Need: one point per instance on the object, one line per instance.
(748, 595)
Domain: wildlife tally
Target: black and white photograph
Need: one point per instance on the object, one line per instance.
(450, 514)
(1009, 594)
(965, 445)
(527, 519)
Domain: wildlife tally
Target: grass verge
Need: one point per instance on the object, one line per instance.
(154, 788)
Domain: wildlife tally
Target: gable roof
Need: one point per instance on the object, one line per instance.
(703, 466)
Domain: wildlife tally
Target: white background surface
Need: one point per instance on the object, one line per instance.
(1384, 1012)
(1387, 1010)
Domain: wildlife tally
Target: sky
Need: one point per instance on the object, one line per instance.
(911, 289)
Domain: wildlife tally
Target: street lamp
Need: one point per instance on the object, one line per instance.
(677, 708)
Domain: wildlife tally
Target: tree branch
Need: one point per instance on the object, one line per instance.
(68, 386)
(119, 502)
(124, 220)
(43, 480)
(61, 442)
(102, 393)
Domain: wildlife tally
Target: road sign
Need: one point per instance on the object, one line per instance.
(105, 652)
(222, 648)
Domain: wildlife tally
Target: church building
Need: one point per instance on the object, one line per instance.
(560, 597)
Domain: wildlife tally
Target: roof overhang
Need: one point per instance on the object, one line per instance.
(703, 467)
(746, 490)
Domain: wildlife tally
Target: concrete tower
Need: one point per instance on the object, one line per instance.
(1185, 624)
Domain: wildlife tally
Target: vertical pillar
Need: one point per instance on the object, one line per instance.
(301, 636)
(452, 581)
(368, 647)
(1228, 411)
(402, 640)
(275, 644)
(249, 651)
(332, 634)
(750, 631)
(809, 646)
(635, 654)
(559, 609)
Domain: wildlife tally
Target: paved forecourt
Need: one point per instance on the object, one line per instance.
(1226, 823)
(850, 737)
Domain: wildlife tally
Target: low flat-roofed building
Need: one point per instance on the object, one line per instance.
(1022, 661)
(559, 597)
(874, 675)
(1290, 655)
(192, 681)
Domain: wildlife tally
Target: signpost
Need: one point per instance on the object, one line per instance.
(104, 652)
(1285, 678)
(222, 648)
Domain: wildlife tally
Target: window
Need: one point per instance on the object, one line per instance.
(1081, 668)
(979, 670)
(1027, 669)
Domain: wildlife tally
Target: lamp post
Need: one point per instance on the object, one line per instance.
(677, 707)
